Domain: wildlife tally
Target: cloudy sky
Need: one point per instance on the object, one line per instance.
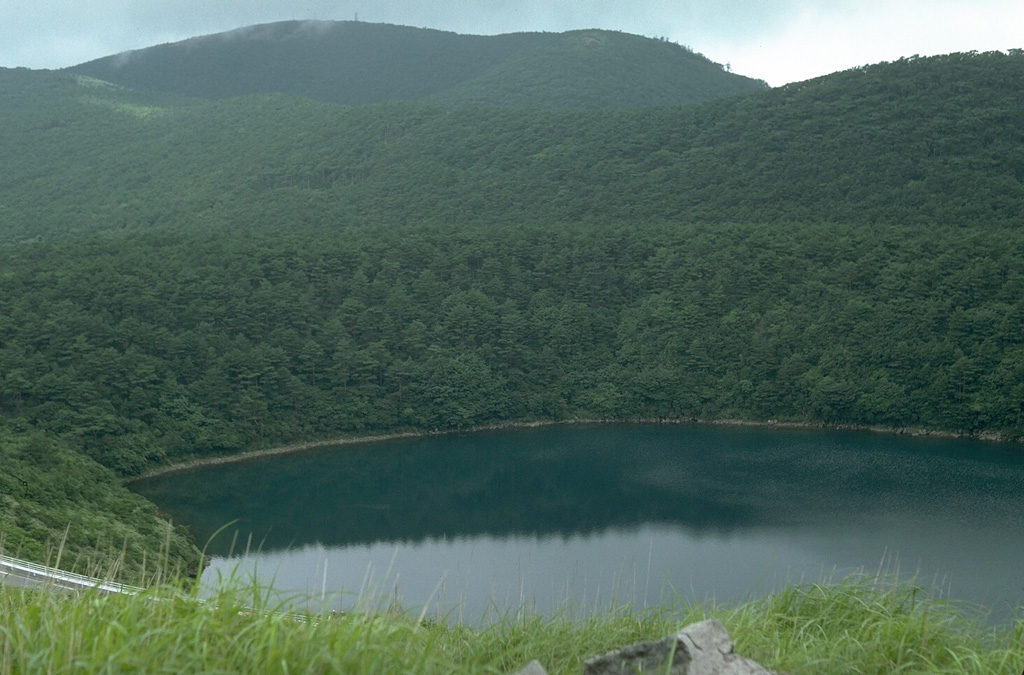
(778, 41)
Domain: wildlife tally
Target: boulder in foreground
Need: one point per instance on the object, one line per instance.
(703, 648)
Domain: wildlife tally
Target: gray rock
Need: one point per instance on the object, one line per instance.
(703, 648)
(532, 668)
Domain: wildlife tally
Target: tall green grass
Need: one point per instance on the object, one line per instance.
(849, 627)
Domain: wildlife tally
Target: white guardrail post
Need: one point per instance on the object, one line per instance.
(69, 580)
(72, 581)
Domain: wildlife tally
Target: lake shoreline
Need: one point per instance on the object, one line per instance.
(199, 463)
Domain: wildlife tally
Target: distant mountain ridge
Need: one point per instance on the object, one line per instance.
(357, 63)
(933, 140)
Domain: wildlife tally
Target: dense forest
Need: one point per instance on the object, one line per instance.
(919, 141)
(148, 348)
(181, 278)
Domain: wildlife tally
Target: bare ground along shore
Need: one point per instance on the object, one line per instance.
(374, 438)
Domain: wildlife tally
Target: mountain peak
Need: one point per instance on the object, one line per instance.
(354, 63)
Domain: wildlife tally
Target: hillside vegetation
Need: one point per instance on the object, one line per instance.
(156, 347)
(861, 627)
(356, 63)
(917, 142)
(181, 278)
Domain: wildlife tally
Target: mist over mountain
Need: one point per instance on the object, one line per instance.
(356, 63)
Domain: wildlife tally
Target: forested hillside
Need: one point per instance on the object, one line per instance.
(913, 142)
(182, 278)
(154, 347)
(357, 63)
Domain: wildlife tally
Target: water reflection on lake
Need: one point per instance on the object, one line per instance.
(580, 516)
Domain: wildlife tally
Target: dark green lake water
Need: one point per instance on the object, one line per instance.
(578, 517)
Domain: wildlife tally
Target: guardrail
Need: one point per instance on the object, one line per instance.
(69, 580)
(72, 581)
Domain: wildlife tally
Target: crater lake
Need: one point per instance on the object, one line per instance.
(577, 518)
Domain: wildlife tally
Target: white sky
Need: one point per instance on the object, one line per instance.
(778, 41)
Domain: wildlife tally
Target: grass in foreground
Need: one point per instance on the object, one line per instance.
(849, 627)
